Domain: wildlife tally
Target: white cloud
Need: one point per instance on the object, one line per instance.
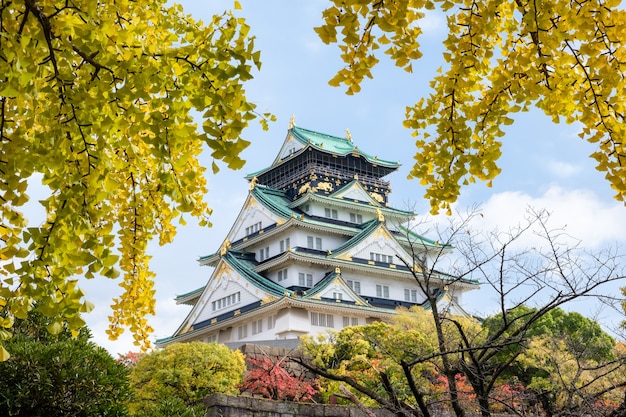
(433, 23)
(580, 212)
(563, 169)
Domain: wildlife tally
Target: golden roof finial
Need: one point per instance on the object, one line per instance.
(292, 121)
(225, 247)
(348, 135)
(337, 270)
(379, 213)
(253, 182)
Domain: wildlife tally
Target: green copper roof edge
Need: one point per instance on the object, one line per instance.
(300, 134)
(256, 279)
(299, 298)
(189, 293)
(322, 284)
(390, 210)
(359, 237)
(262, 194)
(422, 238)
(192, 331)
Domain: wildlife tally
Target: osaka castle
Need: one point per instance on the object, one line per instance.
(316, 246)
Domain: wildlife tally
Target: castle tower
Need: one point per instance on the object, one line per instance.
(315, 247)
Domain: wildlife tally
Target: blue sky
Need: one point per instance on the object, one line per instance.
(544, 165)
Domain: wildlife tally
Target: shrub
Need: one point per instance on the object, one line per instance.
(68, 377)
(270, 380)
(188, 371)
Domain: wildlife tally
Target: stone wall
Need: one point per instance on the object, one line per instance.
(221, 405)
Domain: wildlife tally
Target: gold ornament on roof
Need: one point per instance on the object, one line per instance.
(253, 182)
(348, 135)
(379, 213)
(225, 247)
(292, 121)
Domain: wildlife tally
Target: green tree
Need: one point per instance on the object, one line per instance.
(96, 101)
(59, 375)
(551, 274)
(187, 371)
(397, 364)
(501, 57)
(570, 363)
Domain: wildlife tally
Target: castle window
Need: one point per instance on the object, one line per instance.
(242, 332)
(338, 296)
(314, 242)
(330, 213)
(282, 275)
(257, 326)
(305, 280)
(381, 257)
(253, 229)
(356, 218)
(410, 295)
(264, 253)
(271, 322)
(355, 286)
(322, 320)
(284, 245)
(226, 301)
(382, 291)
(350, 321)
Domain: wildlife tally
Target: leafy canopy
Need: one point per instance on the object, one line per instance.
(60, 375)
(187, 371)
(502, 57)
(96, 101)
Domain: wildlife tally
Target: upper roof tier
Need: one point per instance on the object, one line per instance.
(325, 163)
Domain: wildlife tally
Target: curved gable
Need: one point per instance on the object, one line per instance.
(374, 243)
(354, 191)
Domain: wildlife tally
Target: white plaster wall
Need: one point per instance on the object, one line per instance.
(289, 147)
(290, 320)
(248, 295)
(356, 193)
(254, 214)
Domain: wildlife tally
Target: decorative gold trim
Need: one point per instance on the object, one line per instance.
(225, 247)
(253, 182)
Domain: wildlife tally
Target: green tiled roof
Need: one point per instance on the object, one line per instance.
(330, 144)
(334, 144)
(273, 199)
(414, 238)
(332, 198)
(277, 202)
(240, 262)
(368, 229)
(322, 284)
(193, 293)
